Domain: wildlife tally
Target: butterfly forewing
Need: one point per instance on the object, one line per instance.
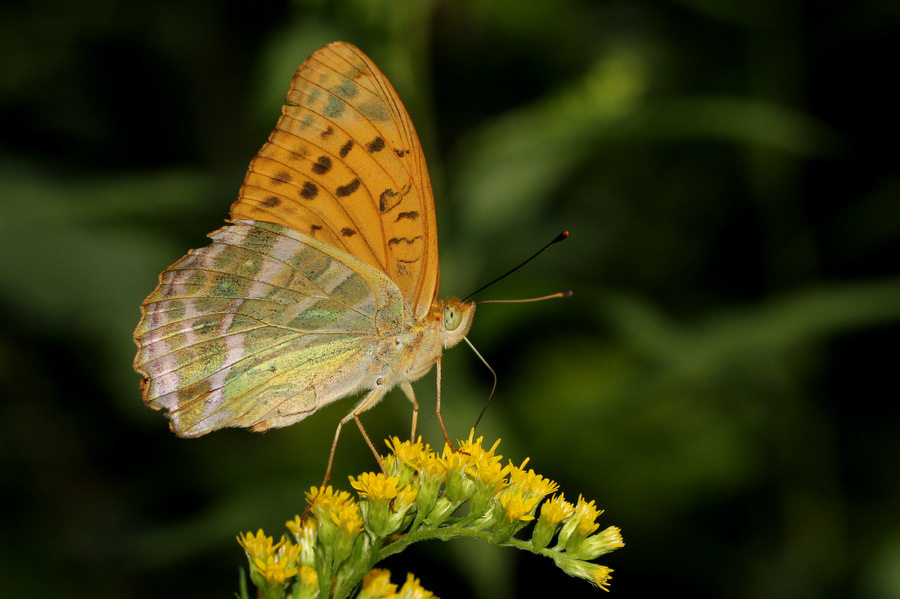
(345, 166)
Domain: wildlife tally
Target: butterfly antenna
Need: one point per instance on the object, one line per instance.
(556, 240)
(527, 299)
(494, 388)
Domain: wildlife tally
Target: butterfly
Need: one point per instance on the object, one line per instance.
(324, 282)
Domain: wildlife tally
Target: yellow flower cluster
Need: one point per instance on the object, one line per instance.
(385, 503)
(270, 563)
(419, 496)
(377, 585)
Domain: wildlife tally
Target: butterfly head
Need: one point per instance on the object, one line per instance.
(456, 320)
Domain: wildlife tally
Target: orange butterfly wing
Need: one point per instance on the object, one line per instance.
(344, 165)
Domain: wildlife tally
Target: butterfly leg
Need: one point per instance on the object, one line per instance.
(437, 409)
(368, 401)
(408, 390)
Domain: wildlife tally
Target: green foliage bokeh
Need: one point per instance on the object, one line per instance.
(721, 380)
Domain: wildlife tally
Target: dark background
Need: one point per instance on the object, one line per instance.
(722, 382)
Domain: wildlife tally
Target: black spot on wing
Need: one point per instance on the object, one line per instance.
(344, 190)
(345, 149)
(388, 200)
(282, 177)
(411, 215)
(348, 232)
(322, 165)
(271, 202)
(309, 191)
(376, 145)
(398, 240)
(327, 132)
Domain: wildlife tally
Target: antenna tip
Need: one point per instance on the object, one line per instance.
(560, 237)
(566, 293)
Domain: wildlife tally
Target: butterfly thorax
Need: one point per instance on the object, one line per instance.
(445, 325)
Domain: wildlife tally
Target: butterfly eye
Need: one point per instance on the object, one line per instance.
(452, 318)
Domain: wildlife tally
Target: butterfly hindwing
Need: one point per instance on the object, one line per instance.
(261, 328)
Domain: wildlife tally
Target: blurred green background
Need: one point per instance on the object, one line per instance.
(721, 382)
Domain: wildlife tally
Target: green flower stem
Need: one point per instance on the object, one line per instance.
(444, 533)
(447, 533)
